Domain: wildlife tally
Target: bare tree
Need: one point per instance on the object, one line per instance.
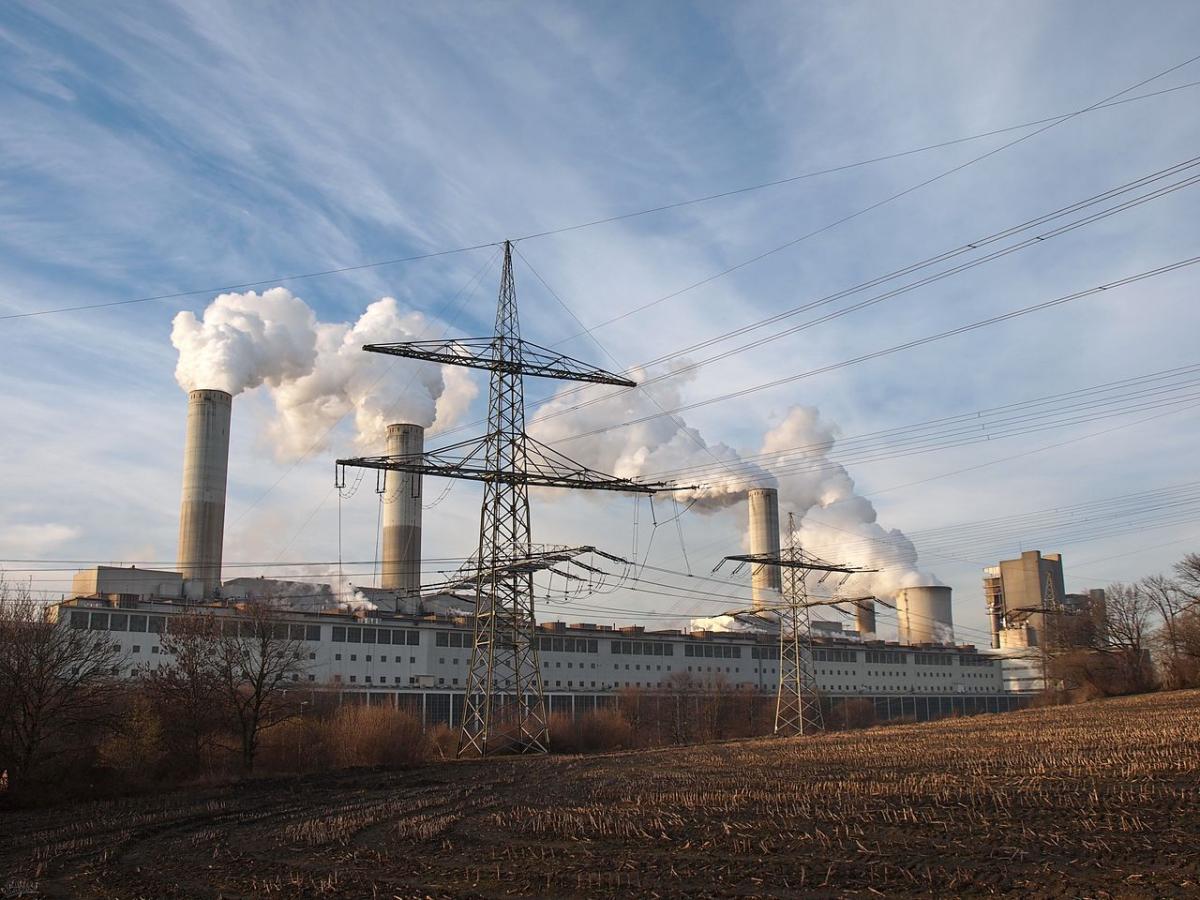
(187, 684)
(56, 683)
(255, 665)
(1171, 603)
(1187, 576)
(1130, 613)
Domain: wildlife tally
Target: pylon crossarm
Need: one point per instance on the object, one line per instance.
(797, 560)
(543, 468)
(486, 353)
(540, 560)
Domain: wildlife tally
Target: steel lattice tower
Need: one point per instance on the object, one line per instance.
(504, 703)
(505, 654)
(797, 703)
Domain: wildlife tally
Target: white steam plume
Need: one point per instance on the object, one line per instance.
(316, 372)
(662, 444)
(244, 340)
(833, 520)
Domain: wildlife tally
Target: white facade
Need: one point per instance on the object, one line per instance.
(403, 654)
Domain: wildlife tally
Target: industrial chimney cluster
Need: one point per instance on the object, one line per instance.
(923, 613)
(205, 480)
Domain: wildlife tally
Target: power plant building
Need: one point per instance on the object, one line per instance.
(420, 662)
(1032, 615)
(407, 648)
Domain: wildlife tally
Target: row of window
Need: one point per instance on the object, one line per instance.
(932, 659)
(644, 648)
(102, 621)
(713, 651)
(569, 645)
(353, 634)
(764, 653)
(887, 657)
(835, 656)
(975, 661)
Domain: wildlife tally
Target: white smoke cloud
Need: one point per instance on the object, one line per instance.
(245, 340)
(796, 456)
(316, 372)
(661, 444)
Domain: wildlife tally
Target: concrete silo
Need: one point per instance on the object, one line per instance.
(401, 556)
(202, 508)
(765, 581)
(924, 615)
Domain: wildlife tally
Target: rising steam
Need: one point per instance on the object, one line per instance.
(834, 521)
(316, 372)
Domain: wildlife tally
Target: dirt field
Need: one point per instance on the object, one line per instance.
(1095, 800)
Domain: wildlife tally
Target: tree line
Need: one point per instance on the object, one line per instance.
(1149, 640)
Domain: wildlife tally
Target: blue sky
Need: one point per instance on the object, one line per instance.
(155, 148)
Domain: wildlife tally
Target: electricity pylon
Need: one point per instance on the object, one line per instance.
(505, 706)
(797, 701)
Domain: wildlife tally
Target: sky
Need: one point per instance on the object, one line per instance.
(172, 149)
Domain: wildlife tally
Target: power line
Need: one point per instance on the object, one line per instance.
(933, 278)
(956, 430)
(846, 166)
(908, 345)
(879, 203)
(966, 247)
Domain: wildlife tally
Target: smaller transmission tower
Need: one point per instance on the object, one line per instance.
(797, 702)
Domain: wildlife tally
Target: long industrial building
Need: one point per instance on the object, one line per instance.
(420, 662)
(412, 649)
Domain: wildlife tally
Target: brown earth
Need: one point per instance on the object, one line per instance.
(1099, 800)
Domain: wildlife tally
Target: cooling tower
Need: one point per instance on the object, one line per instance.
(202, 509)
(864, 618)
(765, 581)
(402, 515)
(924, 615)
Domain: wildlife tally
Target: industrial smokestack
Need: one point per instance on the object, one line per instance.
(924, 615)
(402, 515)
(864, 618)
(202, 510)
(765, 582)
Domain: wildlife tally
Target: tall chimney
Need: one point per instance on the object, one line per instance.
(864, 618)
(202, 510)
(766, 585)
(402, 515)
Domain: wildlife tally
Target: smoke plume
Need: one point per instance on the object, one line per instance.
(661, 444)
(316, 372)
(833, 520)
